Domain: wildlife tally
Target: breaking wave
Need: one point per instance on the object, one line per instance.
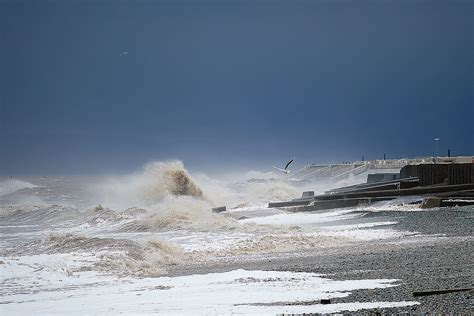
(174, 199)
(13, 185)
(186, 213)
(155, 182)
(37, 214)
(117, 256)
(274, 243)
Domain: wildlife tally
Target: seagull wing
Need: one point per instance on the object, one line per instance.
(282, 170)
(289, 163)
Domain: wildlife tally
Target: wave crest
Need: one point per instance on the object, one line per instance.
(13, 185)
(155, 182)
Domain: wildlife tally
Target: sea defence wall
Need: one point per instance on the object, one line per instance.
(441, 173)
(449, 183)
(338, 171)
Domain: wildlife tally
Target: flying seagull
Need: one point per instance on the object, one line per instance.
(124, 53)
(285, 170)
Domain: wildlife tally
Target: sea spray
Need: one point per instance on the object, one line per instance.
(152, 184)
(235, 191)
(175, 200)
(12, 185)
(185, 212)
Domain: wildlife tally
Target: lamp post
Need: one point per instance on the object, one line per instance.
(436, 149)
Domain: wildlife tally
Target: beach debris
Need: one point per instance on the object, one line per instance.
(437, 292)
(219, 209)
(431, 202)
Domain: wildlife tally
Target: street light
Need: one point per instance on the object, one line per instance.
(436, 149)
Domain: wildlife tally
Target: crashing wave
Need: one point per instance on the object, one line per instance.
(186, 212)
(117, 256)
(154, 183)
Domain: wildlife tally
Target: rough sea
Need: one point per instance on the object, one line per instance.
(109, 244)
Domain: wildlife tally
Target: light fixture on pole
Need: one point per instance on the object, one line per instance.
(436, 149)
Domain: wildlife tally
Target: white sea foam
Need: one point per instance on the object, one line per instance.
(319, 221)
(401, 204)
(45, 285)
(364, 234)
(303, 218)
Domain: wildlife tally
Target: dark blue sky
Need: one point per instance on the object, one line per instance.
(231, 83)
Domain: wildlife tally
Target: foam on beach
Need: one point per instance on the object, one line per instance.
(52, 285)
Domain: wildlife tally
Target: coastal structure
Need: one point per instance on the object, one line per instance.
(338, 171)
(444, 181)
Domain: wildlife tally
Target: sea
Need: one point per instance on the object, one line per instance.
(109, 244)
